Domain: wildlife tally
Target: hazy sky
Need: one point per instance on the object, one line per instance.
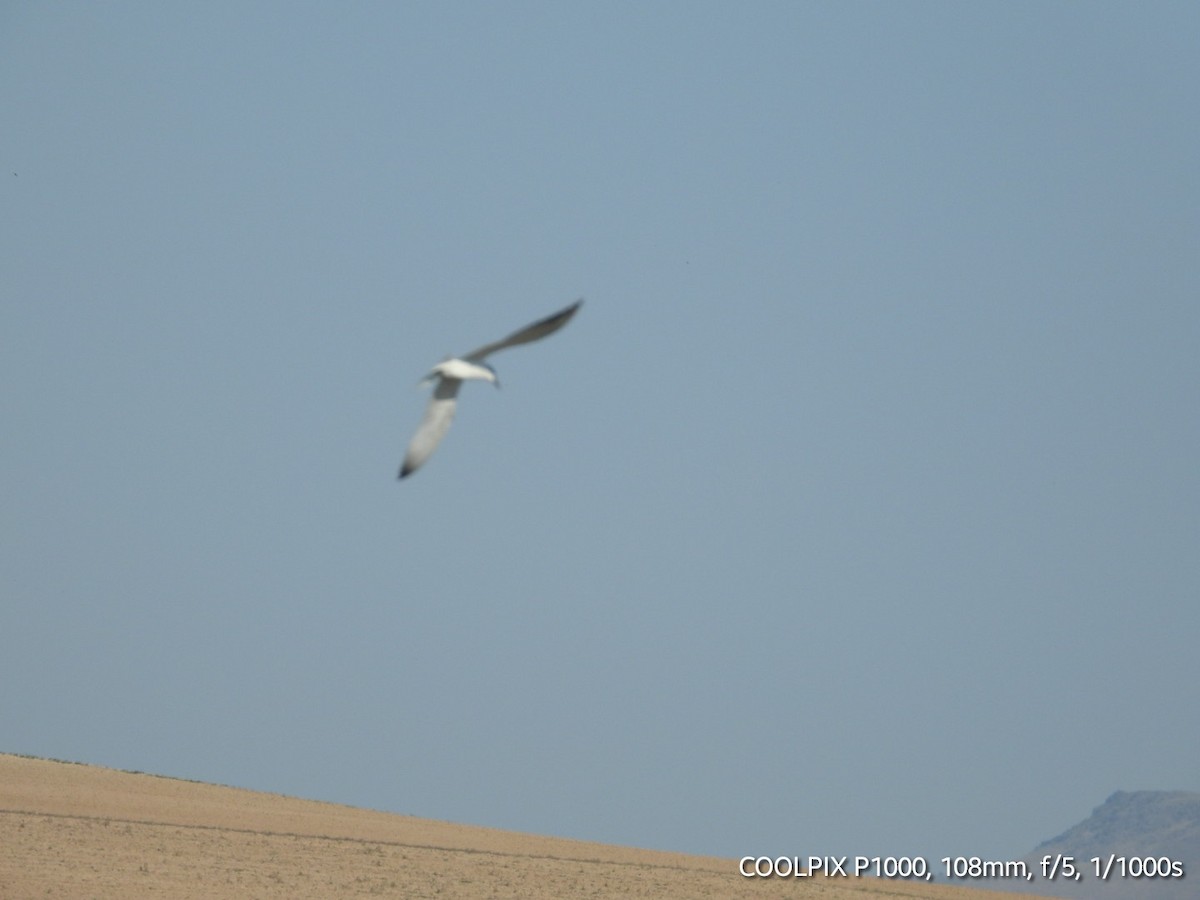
(857, 511)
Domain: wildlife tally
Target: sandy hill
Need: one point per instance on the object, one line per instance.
(76, 831)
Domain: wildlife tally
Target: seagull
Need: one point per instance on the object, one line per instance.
(450, 373)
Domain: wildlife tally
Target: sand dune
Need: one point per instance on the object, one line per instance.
(78, 831)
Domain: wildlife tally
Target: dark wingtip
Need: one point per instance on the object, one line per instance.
(405, 471)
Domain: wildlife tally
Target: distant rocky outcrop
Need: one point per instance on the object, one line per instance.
(1135, 835)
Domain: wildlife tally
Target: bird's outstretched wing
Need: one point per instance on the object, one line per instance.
(533, 332)
(438, 416)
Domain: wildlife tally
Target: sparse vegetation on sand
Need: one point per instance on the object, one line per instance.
(73, 831)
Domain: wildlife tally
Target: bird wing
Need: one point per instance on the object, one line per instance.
(536, 331)
(438, 416)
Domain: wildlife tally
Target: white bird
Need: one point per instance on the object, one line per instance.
(453, 371)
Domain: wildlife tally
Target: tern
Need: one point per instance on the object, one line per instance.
(450, 373)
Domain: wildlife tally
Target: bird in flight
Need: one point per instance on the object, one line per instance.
(449, 375)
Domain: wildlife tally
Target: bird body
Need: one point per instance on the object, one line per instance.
(450, 373)
(462, 370)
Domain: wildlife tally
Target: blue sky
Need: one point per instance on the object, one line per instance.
(856, 512)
